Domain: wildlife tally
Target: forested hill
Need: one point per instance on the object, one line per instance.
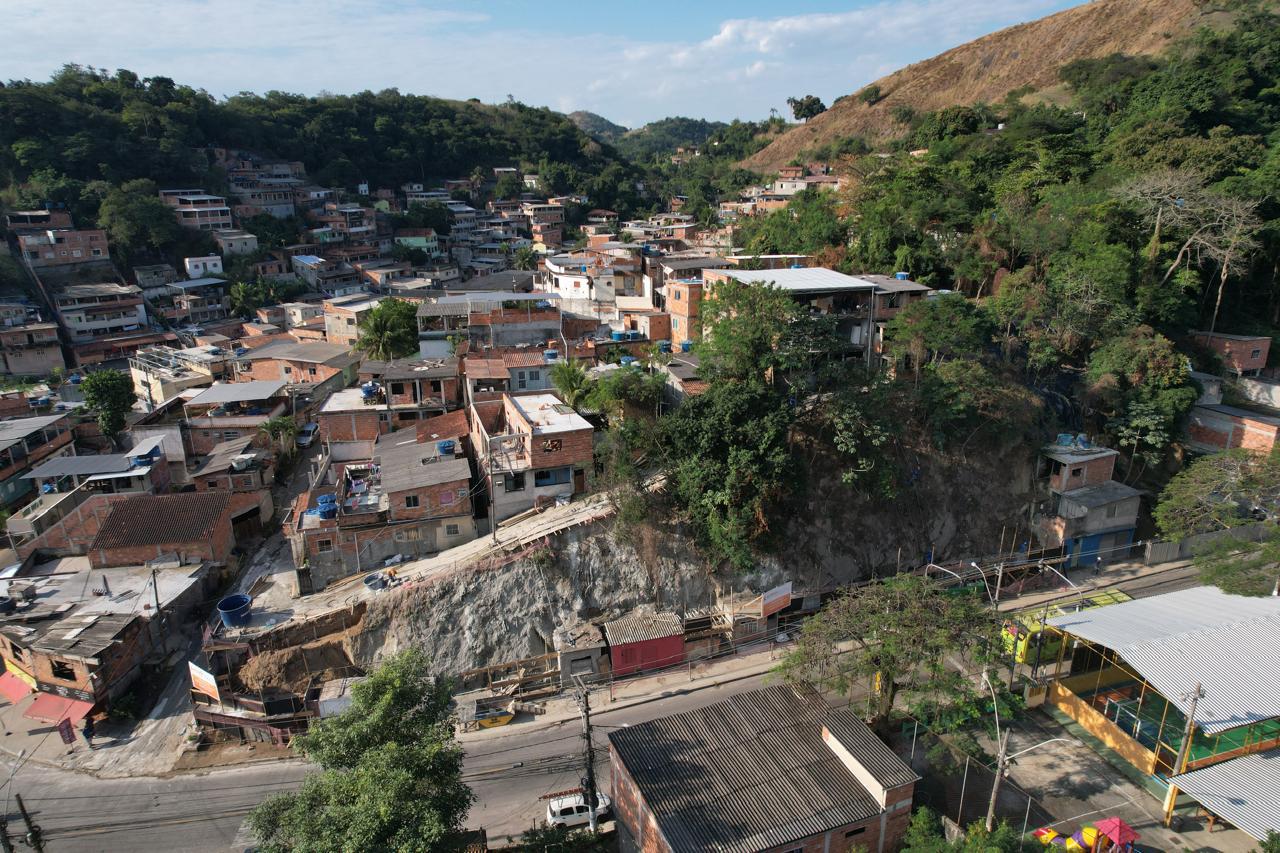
(1022, 58)
(597, 125)
(87, 125)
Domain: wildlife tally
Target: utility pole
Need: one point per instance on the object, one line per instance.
(589, 781)
(1180, 765)
(1002, 761)
(33, 831)
(5, 844)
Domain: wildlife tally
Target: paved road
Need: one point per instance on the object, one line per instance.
(203, 812)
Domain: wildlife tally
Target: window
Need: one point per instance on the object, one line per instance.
(535, 376)
(213, 484)
(858, 831)
(513, 483)
(675, 294)
(246, 481)
(553, 477)
(288, 370)
(397, 387)
(1256, 354)
(411, 501)
(63, 670)
(451, 530)
(675, 322)
(1076, 472)
(324, 546)
(520, 378)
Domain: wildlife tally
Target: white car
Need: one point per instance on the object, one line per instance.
(572, 810)
(307, 435)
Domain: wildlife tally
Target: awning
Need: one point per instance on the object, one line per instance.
(1244, 791)
(13, 688)
(54, 709)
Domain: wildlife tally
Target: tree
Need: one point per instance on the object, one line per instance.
(944, 327)
(571, 382)
(753, 329)
(806, 107)
(245, 298)
(508, 186)
(1222, 492)
(731, 467)
(109, 394)
(389, 331)
(902, 631)
(282, 430)
(870, 95)
(135, 218)
(525, 259)
(391, 772)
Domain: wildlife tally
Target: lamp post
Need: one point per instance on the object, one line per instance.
(1002, 756)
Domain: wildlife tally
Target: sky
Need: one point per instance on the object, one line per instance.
(631, 62)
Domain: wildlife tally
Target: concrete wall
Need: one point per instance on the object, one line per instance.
(1264, 391)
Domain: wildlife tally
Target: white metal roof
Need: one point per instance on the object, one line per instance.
(804, 280)
(1229, 644)
(238, 392)
(1245, 791)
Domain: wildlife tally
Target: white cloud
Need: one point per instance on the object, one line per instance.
(747, 66)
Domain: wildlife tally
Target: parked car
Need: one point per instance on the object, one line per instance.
(307, 435)
(572, 810)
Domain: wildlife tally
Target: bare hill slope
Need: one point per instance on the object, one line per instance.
(988, 68)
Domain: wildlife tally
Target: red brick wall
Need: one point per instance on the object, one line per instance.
(76, 530)
(433, 501)
(1092, 473)
(268, 369)
(1238, 355)
(1228, 432)
(204, 440)
(631, 810)
(217, 548)
(352, 426)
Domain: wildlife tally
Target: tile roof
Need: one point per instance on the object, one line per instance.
(162, 520)
(752, 772)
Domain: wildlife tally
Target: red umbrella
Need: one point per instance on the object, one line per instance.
(1117, 830)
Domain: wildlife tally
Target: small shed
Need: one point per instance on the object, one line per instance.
(336, 697)
(645, 641)
(581, 652)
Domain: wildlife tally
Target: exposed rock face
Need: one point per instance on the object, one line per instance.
(955, 507)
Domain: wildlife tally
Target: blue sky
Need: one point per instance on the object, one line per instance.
(631, 62)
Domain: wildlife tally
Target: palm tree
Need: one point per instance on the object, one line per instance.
(571, 381)
(388, 331)
(282, 430)
(525, 259)
(245, 299)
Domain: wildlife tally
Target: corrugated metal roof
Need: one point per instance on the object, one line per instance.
(748, 773)
(881, 762)
(640, 627)
(237, 392)
(62, 466)
(1229, 644)
(1245, 791)
(13, 431)
(803, 280)
(407, 463)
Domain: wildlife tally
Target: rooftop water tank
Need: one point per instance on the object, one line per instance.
(234, 610)
(446, 447)
(627, 360)
(329, 511)
(550, 354)
(902, 276)
(618, 336)
(74, 379)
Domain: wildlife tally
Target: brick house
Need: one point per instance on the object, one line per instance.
(762, 771)
(245, 472)
(299, 362)
(231, 410)
(31, 349)
(1089, 515)
(684, 305)
(196, 526)
(411, 498)
(62, 247)
(24, 443)
(343, 316)
(531, 450)
(1212, 428)
(1243, 355)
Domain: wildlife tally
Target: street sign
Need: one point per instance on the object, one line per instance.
(66, 732)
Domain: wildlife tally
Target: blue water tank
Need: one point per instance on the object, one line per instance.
(685, 346)
(1083, 441)
(446, 447)
(797, 266)
(48, 488)
(627, 360)
(234, 610)
(326, 500)
(329, 511)
(664, 346)
(618, 336)
(75, 379)
(902, 276)
(636, 336)
(550, 354)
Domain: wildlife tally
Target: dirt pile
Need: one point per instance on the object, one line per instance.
(296, 668)
(988, 68)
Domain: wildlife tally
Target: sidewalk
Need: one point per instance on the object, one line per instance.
(1086, 582)
(753, 661)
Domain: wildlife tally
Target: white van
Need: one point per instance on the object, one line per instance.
(571, 810)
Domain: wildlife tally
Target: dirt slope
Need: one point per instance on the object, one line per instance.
(988, 68)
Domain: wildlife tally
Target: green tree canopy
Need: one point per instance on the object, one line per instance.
(389, 331)
(390, 772)
(135, 218)
(753, 328)
(109, 394)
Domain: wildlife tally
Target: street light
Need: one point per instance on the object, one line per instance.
(1002, 756)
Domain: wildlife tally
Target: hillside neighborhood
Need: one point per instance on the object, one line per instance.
(381, 472)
